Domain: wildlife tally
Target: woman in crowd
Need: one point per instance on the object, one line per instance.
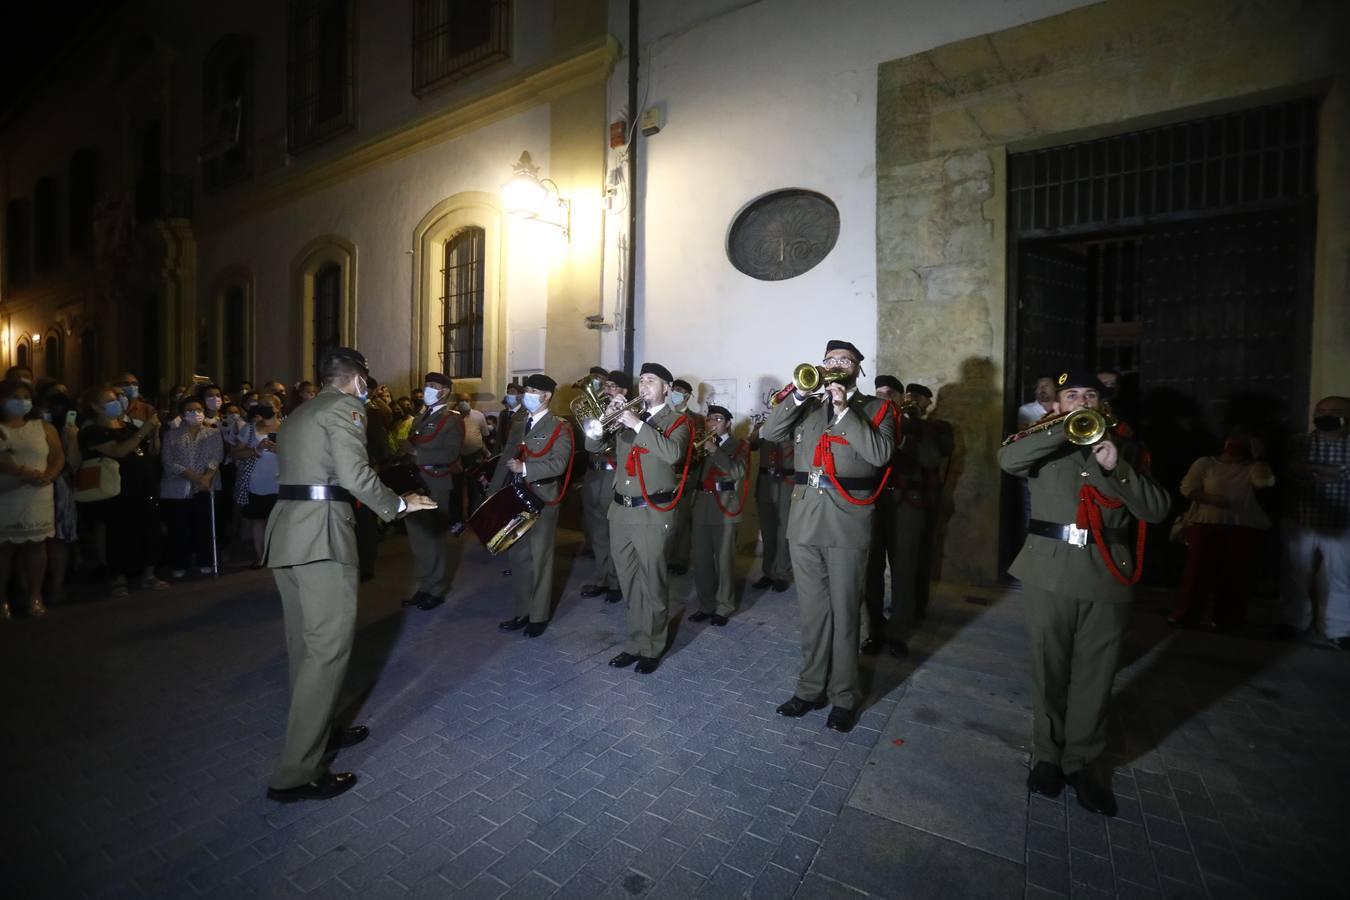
(192, 456)
(58, 409)
(304, 390)
(402, 424)
(256, 481)
(125, 522)
(212, 398)
(1223, 532)
(30, 458)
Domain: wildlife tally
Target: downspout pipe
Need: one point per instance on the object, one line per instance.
(630, 282)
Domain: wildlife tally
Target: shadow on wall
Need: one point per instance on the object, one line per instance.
(969, 404)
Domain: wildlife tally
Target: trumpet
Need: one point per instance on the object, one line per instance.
(705, 444)
(595, 418)
(808, 379)
(1083, 427)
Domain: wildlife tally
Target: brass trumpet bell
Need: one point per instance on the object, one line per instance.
(1083, 427)
(807, 378)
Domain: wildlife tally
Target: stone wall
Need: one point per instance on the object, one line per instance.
(945, 122)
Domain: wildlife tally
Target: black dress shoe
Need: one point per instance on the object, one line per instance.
(1094, 791)
(534, 629)
(1046, 779)
(347, 737)
(327, 786)
(515, 624)
(763, 582)
(623, 660)
(430, 601)
(592, 590)
(871, 646)
(897, 648)
(415, 600)
(797, 707)
(700, 616)
(780, 586)
(613, 596)
(647, 664)
(841, 719)
(719, 620)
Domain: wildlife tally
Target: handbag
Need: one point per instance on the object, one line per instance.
(1177, 534)
(98, 479)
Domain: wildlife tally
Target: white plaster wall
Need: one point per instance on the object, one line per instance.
(761, 96)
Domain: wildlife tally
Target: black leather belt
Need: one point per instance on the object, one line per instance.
(718, 487)
(314, 492)
(775, 473)
(602, 465)
(662, 498)
(1078, 537)
(551, 480)
(820, 479)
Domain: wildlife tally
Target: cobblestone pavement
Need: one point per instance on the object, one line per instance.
(141, 732)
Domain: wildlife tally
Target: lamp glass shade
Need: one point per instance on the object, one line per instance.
(523, 195)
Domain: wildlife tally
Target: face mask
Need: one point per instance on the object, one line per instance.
(512, 401)
(676, 398)
(362, 389)
(213, 403)
(532, 401)
(17, 407)
(113, 409)
(194, 417)
(430, 396)
(1328, 423)
(464, 408)
(132, 391)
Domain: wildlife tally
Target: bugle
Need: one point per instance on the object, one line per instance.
(1083, 427)
(807, 379)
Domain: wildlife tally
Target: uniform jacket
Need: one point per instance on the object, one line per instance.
(551, 465)
(661, 452)
(1056, 471)
(819, 515)
(915, 477)
(777, 457)
(729, 462)
(437, 440)
(324, 442)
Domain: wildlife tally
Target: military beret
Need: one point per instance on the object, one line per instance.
(1078, 379)
(715, 410)
(658, 370)
(438, 378)
(620, 378)
(844, 345)
(890, 381)
(682, 385)
(598, 370)
(540, 382)
(920, 389)
(347, 354)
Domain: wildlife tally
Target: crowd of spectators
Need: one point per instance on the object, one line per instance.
(129, 494)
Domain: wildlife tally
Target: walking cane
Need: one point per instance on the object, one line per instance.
(215, 549)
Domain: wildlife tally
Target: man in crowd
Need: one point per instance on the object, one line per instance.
(843, 440)
(1029, 414)
(597, 492)
(1078, 570)
(718, 503)
(773, 498)
(435, 442)
(128, 388)
(539, 451)
(1319, 534)
(311, 549)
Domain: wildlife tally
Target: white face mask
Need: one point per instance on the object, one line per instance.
(531, 401)
(431, 396)
(676, 398)
(512, 401)
(17, 407)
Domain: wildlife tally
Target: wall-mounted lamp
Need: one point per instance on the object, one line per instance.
(37, 339)
(526, 195)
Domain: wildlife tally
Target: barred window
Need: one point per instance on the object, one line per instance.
(455, 38)
(53, 355)
(320, 101)
(327, 311)
(227, 112)
(462, 305)
(18, 241)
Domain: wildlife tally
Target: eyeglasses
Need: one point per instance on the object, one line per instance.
(836, 362)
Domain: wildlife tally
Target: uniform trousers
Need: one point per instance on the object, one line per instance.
(1075, 645)
(532, 567)
(638, 544)
(597, 493)
(1317, 579)
(773, 497)
(427, 530)
(714, 556)
(829, 596)
(318, 604)
(679, 545)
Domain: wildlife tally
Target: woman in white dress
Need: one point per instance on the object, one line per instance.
(30, 459)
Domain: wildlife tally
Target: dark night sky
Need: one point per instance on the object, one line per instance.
(34, 32)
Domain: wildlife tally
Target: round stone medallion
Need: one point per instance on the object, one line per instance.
(783, 234)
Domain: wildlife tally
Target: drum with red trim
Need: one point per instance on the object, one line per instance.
(505, 517)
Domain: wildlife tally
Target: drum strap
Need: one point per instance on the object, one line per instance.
(525, 453)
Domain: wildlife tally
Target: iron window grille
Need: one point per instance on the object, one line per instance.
(452, 39)
(53, 355)
(327, 311)
(320, 99)
(226, 153)
(462, 305)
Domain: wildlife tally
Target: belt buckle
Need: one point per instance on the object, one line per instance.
(628, 502)
(1078, 536)
(813, 480)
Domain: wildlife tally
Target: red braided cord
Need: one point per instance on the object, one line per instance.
(1091, 502)
(824, 457)
(745, 485)
(635, 462)
(571, 453)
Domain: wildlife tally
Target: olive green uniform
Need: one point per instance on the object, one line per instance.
(717, 511)
(679, 547)
(638, 532)
(829, 535)
(311, 549)
(1076, 609)
(546, 450)
(597, 491)
(773, 499)
(436, 439)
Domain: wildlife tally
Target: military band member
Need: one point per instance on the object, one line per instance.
(651, 453)
(773, 497)
(934, 443)
(597, 376)
(842, 441)
(678, 547)
(718, 504)
(310, 546)
(1078, 567)
(436, 441)
(885, 547)
(598, 492)
(539, 450)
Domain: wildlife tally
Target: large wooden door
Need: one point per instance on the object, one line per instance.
(1055, 312)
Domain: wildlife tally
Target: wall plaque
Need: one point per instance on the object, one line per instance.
(783, 234)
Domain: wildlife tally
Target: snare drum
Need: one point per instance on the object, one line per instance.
(502, 519)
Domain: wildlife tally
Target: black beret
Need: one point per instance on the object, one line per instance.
(921, 390)
(844, 345)
(348, 355)
(715, 410)
(658, 370)
(598, 370)
(1078, 379)
(619, 377)
(540, 382)
(683, 385)
(438, 378)
(890, 381)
